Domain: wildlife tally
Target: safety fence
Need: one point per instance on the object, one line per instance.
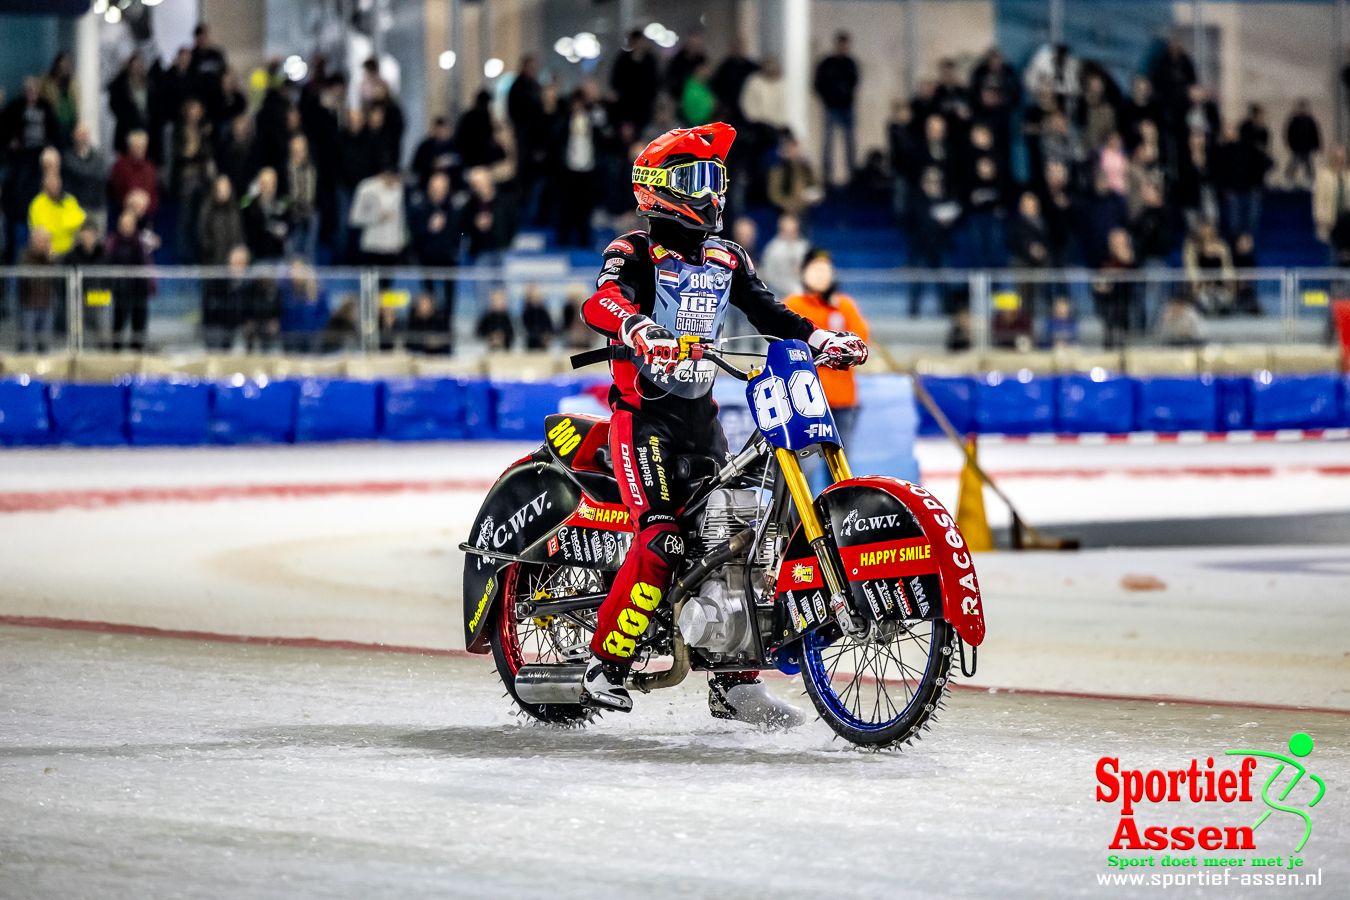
(295, 308)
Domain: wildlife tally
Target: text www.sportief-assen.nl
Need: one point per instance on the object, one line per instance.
(1207, 879)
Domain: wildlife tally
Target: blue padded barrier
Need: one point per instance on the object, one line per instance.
(422, 409)
(956, 398)
(89, 414)
(1086, 405)
(883, 438)
(165, 412)
(24, 415)
(252, 413)
(1013, 406)
(1235, 403)
(478, 404)
(1176, 404)
(337, 410)
(1295, 401)
(521, 406)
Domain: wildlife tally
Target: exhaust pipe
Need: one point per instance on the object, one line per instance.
(549, 684)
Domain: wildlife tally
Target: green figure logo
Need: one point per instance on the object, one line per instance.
(1300, 745)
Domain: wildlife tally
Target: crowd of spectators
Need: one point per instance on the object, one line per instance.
(1057, 165)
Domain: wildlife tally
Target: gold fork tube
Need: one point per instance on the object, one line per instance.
(811, 526)
(838, 463)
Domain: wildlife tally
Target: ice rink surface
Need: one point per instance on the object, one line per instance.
(148, 767)
(142, 767)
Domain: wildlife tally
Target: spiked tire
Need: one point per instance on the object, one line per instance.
(872, 717)
(512, 641)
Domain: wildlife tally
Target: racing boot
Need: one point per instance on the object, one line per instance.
(743, 697)
(603, 685)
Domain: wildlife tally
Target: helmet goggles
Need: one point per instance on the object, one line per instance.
(693, 179)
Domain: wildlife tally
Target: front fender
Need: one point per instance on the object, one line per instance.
(898, 547)
(528, 501)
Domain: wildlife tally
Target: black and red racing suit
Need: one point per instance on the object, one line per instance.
(683, 281)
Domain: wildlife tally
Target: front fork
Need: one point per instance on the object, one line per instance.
(815, 531)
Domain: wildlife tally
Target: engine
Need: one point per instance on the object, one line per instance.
(718, 619)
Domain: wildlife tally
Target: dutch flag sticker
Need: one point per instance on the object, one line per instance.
(670, 278)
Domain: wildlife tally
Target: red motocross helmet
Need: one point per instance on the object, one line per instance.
(682, 176)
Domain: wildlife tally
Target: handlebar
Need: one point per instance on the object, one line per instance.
(693, 347)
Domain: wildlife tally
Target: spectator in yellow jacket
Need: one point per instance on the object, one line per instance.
(57, 212)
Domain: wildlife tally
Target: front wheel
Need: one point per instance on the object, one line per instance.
(561, 639)
(880, 689)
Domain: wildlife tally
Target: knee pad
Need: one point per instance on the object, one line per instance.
(667, 545)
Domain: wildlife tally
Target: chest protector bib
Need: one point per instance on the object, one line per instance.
(691, 300)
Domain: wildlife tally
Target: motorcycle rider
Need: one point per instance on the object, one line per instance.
(676, 280)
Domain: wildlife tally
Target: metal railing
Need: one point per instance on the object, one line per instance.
(365, 310)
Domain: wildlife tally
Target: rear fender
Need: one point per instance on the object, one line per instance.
(900, 550)
(528, 503)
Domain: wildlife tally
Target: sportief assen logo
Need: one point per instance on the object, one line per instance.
(1288, 787)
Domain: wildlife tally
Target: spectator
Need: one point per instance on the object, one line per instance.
(1331, 204)
(431, 219)
(1011, 328)
(728, 81)
(259, 309)
(373, 88)
(84, 171)
(579, 334)
(1202, 114)
(781, 264)
(994, 93)
(690, 56)
(271, 124)
(377, 209)
(487, 217)
(1145, 169)
(1113, 164)
(903, 152)
(634, 81)
(428, 328)
(1114, 299)
(342, 332)
(208, 70)
(1061, 144)
(266, 225)
(538, 324)
(302, 180)
(1098, 115)
(1196, 193)
(950, 99)
(384, 121)
(934, 216)
(1173, 74)
(234, 157)
(38, 294)
(1303, 138)
(1027, 235)
(986, 207)
(57, 212)
(1151, 229)
(1254, 130)
(1140, 108)
(62, 93)
(836, 83)
(1105, 212)
(1239, 175)
(174, 88)
(88, 251)
(304, 310)
(131, 295)
(494, 326)
(577, 188)
(436, 153)
(355, 163)
(1181, 325)
(958, 335)
(134, 171)
(193, 172)
(1245, 301)
(793, 185)
(1053, 68)
(27, 126)
(220, 227)
(1063, 211)
(525, 106)
(1034, 120)
(698, 103)
(936, 151)
(1209, 264)
(132, 101)
(764, 97)
(825, 306)
(474, 134)
(1061, 329)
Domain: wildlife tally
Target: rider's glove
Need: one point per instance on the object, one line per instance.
(843, 349)
(656, 345)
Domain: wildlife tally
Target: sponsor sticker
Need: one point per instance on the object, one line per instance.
(621, 245)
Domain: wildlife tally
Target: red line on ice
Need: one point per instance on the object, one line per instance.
(43, 501)
(1156, 472)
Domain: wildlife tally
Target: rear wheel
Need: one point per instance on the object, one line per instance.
(881, 689)
(552, 640)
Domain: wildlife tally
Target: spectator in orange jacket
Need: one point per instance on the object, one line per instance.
(822, 303)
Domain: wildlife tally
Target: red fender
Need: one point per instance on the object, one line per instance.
(961, 602)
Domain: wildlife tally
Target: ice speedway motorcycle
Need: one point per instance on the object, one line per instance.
(867, 590)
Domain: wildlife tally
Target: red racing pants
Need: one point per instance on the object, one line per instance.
(644, 445)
